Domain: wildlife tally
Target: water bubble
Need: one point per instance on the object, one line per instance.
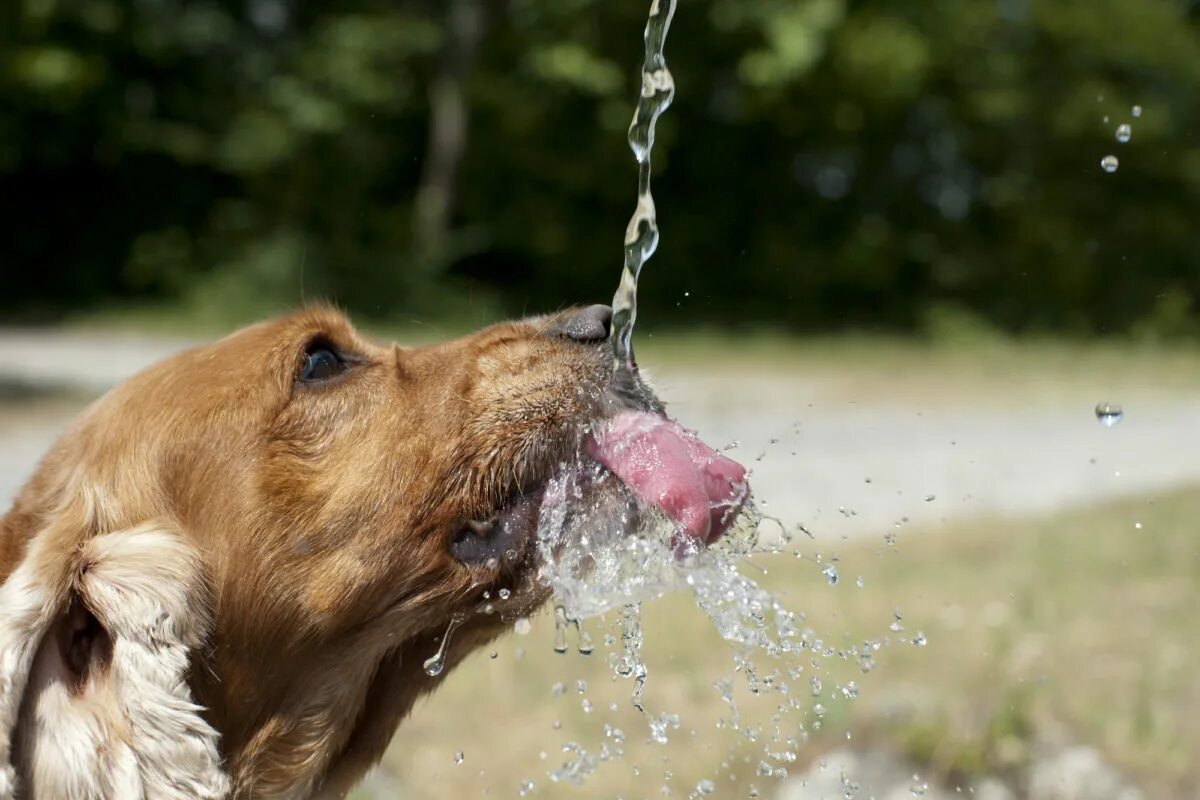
(1109, 414)
(850, 690)
(815, 684)
(705, 787)
(505, 594)
(929, 498)
(831, 574)
(919, 640)
(859, 583)
(1137, 111)
(458, 757)
(1124, 132)
(525, 788)
(1109, 164)
(897, 624)
(522, 626)
(919, 787)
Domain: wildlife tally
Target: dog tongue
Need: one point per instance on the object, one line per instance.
(667, 466)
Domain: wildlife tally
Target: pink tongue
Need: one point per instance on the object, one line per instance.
(667, 466)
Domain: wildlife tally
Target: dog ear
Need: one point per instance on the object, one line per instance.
(95, 645)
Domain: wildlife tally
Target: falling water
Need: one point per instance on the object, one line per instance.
(641, 236)
(600, 551)
(437, 662)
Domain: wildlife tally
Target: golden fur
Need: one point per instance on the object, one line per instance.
(304, 531)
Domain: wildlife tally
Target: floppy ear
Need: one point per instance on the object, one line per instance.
(95, 639)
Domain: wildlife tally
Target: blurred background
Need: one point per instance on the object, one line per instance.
(894, 278)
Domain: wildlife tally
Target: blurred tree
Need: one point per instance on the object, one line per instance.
(827, 163)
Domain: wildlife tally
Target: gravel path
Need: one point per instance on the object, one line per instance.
(842, 468)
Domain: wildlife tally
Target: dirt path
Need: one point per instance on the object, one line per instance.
(843, 465)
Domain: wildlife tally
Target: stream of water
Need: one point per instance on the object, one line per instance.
(641, 235)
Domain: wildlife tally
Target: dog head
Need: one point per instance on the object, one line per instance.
(327, 505)
(234, 571)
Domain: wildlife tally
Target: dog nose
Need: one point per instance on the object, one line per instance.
(585, 325)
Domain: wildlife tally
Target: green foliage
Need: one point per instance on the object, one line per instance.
(882, 163)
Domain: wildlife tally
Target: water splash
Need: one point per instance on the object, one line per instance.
(632, 665)
(641, 235)
(437, 662)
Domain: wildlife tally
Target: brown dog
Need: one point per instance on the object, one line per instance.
(225, 577)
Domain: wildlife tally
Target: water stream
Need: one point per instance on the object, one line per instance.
(641, 235)
(603, 555)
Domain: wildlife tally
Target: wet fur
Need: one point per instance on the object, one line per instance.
(267, 563)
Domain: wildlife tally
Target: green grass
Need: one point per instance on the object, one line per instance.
(1073, 628)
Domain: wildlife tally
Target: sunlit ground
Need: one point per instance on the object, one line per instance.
(1042, 627)
(1079, 627)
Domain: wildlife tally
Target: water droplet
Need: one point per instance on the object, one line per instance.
(919, 640)
(815, 683)
(850, 690)
(560, 630)
(897, 625)
(1109, 414)
(525, 788)
(1137, 526)
(458, 757)
(437, 662)
(859, 583)
(705, 787)
(522, 626)
(1124, 132)
(586, 646)
(831, 574)
(929, 498)
(1109, 164)
(505, 594)
(919, 787)
(1137, 111)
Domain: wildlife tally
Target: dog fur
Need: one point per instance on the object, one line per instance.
(222, 582)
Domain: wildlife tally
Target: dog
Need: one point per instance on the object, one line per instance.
(226, 576)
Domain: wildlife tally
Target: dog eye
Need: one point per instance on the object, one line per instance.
(320, 363)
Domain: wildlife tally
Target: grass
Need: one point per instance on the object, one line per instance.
(1074, 628)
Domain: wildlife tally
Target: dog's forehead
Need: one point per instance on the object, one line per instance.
(286, 332)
